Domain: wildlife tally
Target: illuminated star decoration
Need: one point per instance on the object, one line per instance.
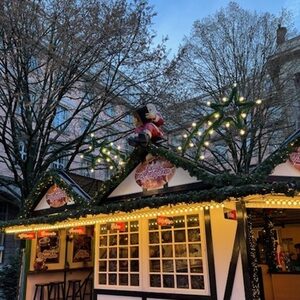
(103, 152)
(230, 112)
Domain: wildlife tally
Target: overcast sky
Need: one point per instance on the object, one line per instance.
(175, 17)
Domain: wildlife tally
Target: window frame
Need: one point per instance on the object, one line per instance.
(144, 268)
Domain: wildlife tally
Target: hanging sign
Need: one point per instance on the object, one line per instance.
(26, 236)
(120, 226)
(164, 221)
(46, 233)
(80, 230)
(230, 214)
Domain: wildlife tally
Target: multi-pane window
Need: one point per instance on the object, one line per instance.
(119, 254)
(60, 163)
(152, 255)
(175, 254)
(60, 117)
(22, 150)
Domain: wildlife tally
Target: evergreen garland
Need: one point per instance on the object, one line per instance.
(253, 266)
(214, 194)
(269, 238)
(48, 179)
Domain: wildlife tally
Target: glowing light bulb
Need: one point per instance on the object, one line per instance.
(242, 99)
(227, 124)
(199, 133)
(81, 155)
(206, 143)
(243, 115)
(194, 124)
(191, 144)
(111, 143)
(92, 134)
(242, 132)
(235, 84)
(211, 131)
(90, 147)
(224, 99)
(217, 115)
(258, 101)
(209, 123)
(99, 160)
(111, 167)
(179, 148)
(202, 157)
(208, 103)
(185, 135)
(92, 170)
(119, 147)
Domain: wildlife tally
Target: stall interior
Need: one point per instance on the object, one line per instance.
(64, 257)
(276, 233)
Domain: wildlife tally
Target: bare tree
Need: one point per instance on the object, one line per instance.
(232, 46)
(63, 64)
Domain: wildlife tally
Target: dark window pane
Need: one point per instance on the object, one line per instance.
(182, 282)
(134, 266)
(123, 239)
(197, 282)
(167, 251)
(102, 253)
(134, 226)
(113, 253)
(168, 281)
(102, 278)
(123, 253)
(152, 224)
(192, 220)
(179, 222)
(154, 251)
(134, 252)
(196, 266)
(113, 266)
(181, 266)
(168, 266)
(103, 241)
(179, 236)
(166, 236)
(154, 266)
(153, 238)
(195, 250)
(112, 240)
(123, 279)
(194, 235)
(134, 239)
(134, 280)
(123, 265)
(103, 229)
(180, 250)
(112, 279)
(155, 281)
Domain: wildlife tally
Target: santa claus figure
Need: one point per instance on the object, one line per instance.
(147, 122)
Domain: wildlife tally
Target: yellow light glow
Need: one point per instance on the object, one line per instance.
(194, 124)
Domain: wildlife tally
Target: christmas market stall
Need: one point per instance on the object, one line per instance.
(163, 228)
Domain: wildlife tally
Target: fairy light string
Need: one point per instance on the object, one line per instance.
(229, 112)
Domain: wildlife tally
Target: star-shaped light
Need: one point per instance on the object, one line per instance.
(230, 112)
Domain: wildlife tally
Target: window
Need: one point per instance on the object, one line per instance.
(175, 254)
(119, 254)
(110, 111)
(59, 163)
(22, 151)
(144, 256)
(60, 117)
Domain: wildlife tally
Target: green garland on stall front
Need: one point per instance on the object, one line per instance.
(215, 194)
(49, 178)
(259, 175)
(108, 186)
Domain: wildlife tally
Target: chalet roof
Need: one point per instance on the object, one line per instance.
(210, 187)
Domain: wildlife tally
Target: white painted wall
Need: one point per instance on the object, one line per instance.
(223, 234)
